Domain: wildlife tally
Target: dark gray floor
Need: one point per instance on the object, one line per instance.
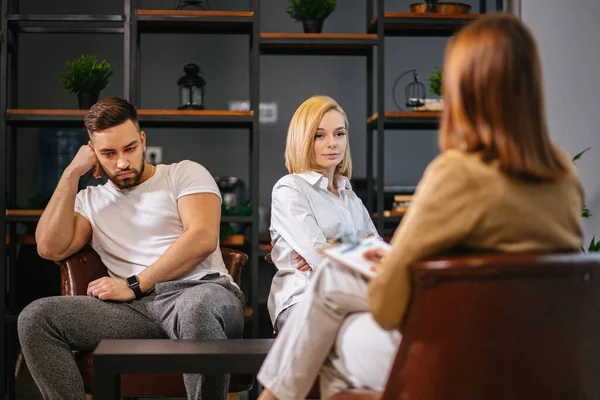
(27, 390)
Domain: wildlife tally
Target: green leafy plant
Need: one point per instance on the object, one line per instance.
(594, 246)
(310, 10)
(85, 74)
(435, 81)
(585, 213)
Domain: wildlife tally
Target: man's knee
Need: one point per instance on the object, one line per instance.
(33, 316)
(210, 314)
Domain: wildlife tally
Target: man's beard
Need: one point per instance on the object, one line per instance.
(130, 181)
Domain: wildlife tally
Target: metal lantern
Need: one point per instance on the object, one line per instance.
(191, 88)
(414, 92)
(200, 4)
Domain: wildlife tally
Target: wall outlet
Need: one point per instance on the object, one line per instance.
(268, 112)
(154, 154)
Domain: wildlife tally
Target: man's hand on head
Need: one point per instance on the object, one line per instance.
(107, 288)
(84, 160)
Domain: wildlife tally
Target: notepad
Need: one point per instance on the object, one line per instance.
(351, 255)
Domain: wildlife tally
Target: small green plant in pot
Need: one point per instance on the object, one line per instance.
(435, 82)
(311, 13)
(86, 77)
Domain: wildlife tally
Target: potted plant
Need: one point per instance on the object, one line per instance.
(311, 13)
(435, 103)
(435, 82)
(86, 77)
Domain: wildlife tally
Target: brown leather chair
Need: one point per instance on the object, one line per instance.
(521, 326)
(85, 266)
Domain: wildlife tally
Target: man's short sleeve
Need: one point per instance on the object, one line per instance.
(79, 204)
(190, 178)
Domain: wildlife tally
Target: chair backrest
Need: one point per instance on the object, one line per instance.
(234, 261)
(501, 327)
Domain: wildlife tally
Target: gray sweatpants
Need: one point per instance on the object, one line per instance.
(50, 328)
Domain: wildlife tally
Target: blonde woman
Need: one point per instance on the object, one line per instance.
(312, 204)
(499, 185)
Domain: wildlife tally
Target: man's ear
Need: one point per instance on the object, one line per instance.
(143, 139)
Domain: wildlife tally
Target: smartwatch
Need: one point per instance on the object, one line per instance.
(134, 284)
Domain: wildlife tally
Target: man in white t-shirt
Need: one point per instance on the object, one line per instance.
(156, 229)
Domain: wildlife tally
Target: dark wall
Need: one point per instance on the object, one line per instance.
(287, 80)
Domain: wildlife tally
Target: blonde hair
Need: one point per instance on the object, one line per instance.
(299, 149)
(494, 101)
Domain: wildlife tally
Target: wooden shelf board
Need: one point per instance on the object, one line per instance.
(429, 16)
(389, 214)
(407, 120)
(194, 13)
(22, 239)
(205, 113)
(421, 24)
(24, 213)
(64, 18)
(177, 21)
(204, 118)
(317, 43)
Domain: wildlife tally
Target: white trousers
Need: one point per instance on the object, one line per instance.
(330, 332)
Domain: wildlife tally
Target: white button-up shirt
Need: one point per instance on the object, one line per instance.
(304, 215)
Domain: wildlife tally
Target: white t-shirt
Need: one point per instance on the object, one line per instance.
(132, 228)
(304, 215)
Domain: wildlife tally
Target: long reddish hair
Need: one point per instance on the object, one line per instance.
(494, 100)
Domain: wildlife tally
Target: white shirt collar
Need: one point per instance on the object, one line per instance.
(313, 177)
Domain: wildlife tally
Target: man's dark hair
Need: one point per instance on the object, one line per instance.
(108, 113)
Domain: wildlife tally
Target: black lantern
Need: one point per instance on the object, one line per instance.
(414, 92)
(191, 88)
(201, 4)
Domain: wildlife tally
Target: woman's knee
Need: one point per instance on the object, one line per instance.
(363, 348)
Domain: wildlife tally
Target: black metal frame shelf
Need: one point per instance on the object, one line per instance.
(390, 24)
(317, 44)
(180, 21)
(131, 24)
(52, 23)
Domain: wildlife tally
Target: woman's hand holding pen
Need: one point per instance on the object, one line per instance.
(377, 256)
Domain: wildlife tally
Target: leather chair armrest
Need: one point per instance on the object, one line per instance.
(78, 270)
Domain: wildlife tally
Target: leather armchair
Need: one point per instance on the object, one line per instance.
(83, 267)
(502, 326)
